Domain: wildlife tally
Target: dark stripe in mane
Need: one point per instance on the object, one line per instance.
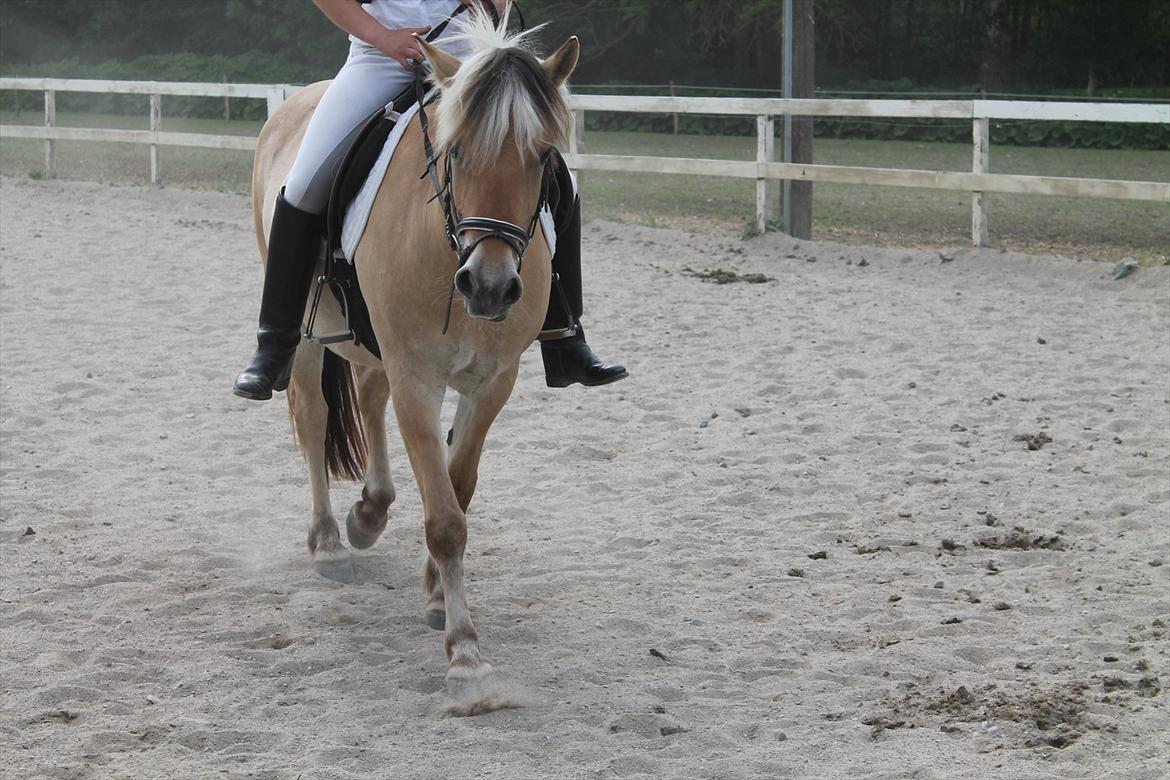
(505, 94)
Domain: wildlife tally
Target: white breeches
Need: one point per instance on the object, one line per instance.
(368, 80)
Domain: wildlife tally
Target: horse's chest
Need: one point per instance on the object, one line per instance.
(471, 368)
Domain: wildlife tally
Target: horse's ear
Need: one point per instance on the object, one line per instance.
(561, 62)
(443, 65)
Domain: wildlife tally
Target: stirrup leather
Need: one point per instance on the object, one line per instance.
(570, 330)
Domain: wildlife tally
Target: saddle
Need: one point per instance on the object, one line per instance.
(340, 275)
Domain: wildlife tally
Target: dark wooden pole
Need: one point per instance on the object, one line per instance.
(804, 85)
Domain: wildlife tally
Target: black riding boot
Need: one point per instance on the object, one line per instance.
(293, 246)
(567, 358)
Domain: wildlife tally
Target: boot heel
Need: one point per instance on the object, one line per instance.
(558, 381)
(281, 383)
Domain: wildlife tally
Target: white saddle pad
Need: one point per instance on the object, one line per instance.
(358, 212)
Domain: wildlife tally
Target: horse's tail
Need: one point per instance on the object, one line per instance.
(345, 439)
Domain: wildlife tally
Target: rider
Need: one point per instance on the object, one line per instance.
(379, 67)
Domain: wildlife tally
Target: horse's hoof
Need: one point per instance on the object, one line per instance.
(334, 566)
(467, 680)
(358, 539)
(437, 619)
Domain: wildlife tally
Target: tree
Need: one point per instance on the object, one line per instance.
(1022, 44)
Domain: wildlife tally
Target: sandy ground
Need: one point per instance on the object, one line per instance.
(802, 540)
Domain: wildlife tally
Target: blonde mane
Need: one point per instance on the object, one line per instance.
(500, 92)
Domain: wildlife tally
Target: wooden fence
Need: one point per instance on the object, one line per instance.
(764, 169)
(274, 94)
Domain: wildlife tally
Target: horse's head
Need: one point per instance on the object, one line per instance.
(502, 110)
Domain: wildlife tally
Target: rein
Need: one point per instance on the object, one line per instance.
(454, 223)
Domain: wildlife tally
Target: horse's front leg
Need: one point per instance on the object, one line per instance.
(368, 516)
(310, 416)
(473, 418)
(417, 406)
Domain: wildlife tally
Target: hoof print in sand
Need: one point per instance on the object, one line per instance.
(648, 725)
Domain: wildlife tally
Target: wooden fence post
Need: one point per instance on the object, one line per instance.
(765, 189)
(155, 126)
(50, 120)
(980, 164)
(577, 141)
(674, 116)
(276, 96)
(800, 207)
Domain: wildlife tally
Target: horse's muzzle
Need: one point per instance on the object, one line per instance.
(488, 296)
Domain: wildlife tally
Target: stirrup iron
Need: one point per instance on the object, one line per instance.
(326, 279)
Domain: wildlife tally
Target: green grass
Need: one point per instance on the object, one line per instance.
(1086, 227)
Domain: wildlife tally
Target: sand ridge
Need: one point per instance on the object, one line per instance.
(802, 540)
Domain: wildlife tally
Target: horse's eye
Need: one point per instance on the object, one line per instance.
(454, 153)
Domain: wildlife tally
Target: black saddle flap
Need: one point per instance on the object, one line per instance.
(351, 174)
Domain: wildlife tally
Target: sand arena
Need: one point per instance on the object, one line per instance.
(881, 516)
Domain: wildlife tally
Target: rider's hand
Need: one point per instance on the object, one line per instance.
(400, 46)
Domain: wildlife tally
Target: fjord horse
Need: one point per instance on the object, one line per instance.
(499, 113)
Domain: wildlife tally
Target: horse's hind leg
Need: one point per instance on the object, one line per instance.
(310, 414)
(368, 516)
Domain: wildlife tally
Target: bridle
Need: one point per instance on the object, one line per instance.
(455, 224)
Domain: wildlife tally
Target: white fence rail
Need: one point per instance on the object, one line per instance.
(764, 169)
(274, 94)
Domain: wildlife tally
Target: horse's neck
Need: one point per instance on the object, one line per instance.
(409, 202)
(413, 183)
(404, 258)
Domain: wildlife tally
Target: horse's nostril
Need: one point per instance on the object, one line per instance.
(464, 282)
(514, 291)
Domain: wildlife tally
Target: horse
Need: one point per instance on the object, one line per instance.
(499, 113)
